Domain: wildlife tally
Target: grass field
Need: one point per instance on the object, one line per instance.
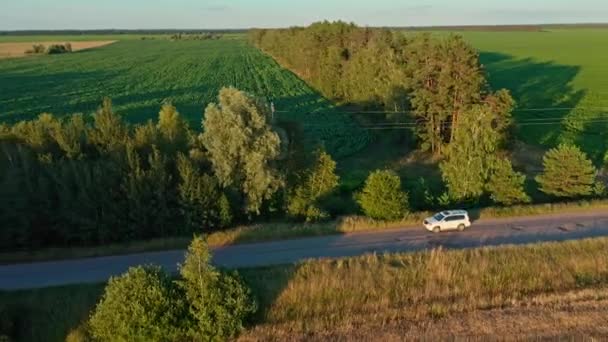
(559, 79)
(317, 298)
(139, 75)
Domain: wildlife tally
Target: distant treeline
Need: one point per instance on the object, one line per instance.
(117, 32)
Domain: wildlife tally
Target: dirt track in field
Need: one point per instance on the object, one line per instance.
(9, 50)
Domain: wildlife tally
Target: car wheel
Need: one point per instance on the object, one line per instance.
(436, 229)
(461, 227)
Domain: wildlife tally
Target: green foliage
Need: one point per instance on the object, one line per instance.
(567, 172)
(202, 204)
(446, 79)
(109, 133)
(173, 129)
(137, 306)
(316, 183)
(471, 155)
(505, 185)
(242, 146)
(218, 303)
(382, 197)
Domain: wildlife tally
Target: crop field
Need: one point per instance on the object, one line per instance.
(140, 74)
(559, 79)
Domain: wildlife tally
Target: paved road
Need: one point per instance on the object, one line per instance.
(483, 233)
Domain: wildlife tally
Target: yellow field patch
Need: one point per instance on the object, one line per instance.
(8, 50)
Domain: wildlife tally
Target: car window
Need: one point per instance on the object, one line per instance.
(455, 218)
(438, 217)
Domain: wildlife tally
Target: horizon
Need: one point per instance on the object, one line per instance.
(283, 27)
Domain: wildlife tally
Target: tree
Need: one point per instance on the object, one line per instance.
(202, 204)
(109, 133)
(382, 197)
(218, 303)
(446, 80)
(137, 306)
(242, 146)
(471, 156)
(567, 172)
(505, 185)
(317, 182)
(173, 130)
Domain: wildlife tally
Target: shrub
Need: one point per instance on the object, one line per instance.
(382, 197)
(137, 306)
(218, 303)
(58, 48)
(36, 49)
(567, 173)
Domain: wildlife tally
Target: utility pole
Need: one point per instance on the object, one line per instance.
(271, 111)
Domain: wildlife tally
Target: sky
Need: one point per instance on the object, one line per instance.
(207, 14)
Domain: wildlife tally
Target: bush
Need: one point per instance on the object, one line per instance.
(36, 49)
(218, 303)
(567, 173)
(382, 197)
(137, 306)
(59, 48)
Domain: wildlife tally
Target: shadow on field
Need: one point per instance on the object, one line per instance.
(267, 284)
(544, 94)
(47, 92)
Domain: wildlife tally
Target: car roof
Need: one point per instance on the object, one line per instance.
(454, 212)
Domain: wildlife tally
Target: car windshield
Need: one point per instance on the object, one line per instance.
(438, 216)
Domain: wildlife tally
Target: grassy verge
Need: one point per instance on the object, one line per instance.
(317, 297)
(282, 231)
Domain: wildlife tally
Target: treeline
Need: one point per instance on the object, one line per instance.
(196, 36)
(438, 80)
(93, 180)
(80, 180)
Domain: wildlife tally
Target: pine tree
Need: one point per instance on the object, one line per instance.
(567, 172)
(505, 185)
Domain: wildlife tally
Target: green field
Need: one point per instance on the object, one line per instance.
(139, 75)
(559, 79)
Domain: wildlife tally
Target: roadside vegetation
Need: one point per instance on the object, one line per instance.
(317, 298)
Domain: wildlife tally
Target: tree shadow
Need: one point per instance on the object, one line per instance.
(548, 108)
(266, 285)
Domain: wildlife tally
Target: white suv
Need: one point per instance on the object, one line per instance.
(448, 220)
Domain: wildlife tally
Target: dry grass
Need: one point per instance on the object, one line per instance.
(569, 319)
(8, 50)
(342, 296)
